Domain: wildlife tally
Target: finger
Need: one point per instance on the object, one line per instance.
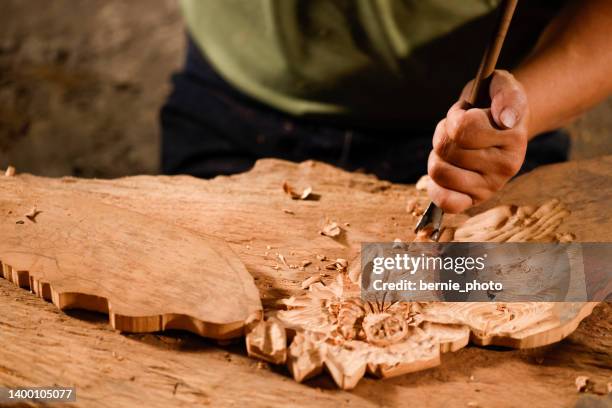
(473, 129)
(457, 179)
(487, 160)
(443, 145)
(508, 100)
(450, 201)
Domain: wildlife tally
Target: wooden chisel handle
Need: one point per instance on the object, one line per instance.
(479, 96)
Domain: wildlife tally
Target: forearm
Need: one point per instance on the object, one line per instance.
(570, 69)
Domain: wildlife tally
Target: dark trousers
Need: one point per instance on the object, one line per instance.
(209, 128)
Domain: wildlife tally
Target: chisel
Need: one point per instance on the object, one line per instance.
(479, 97)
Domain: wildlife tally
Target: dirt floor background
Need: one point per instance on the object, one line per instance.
(81, 83)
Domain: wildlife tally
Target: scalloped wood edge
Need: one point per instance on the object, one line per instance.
(125, 323)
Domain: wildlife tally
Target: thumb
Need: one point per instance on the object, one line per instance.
(508, 100)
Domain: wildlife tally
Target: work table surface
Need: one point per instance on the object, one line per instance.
(42, 346)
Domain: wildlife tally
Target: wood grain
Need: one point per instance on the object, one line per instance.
(247, 211)
(147, 274)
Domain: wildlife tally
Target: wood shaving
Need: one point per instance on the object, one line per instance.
(339, 265)
(331, 230)
(19, 222)
(581, 382)
(294, 194)
(414, 207)
(282, 259)
(565, 237)
(287, 211)
(411, 205)
(31, 215)
(310, 281)
(10, 171)
(421, 185)
(305, 263)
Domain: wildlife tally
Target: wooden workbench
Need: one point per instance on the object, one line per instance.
(42, 346)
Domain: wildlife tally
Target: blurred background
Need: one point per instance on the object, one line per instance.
(82, 82)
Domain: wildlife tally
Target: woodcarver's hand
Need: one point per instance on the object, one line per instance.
(477, 151)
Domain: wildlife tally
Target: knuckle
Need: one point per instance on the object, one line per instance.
(509, 166)
(466, 126)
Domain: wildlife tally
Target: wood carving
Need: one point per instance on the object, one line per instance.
(278, 239)
(334, 328)
(147, 274)
(267, 341)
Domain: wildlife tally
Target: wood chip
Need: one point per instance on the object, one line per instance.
(421, 185)
(411, 205)
(339, 265)
(10, 171)
(282, 259)
(582, 382)
(31, 215)
(331, 230)
(397, 244)
(294, 194)
(310, 281)
(287, 211)
(305, 263)
(343, 263)
(19, 222)
(565, 237)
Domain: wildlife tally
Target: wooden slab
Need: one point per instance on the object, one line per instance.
(247, 211)
(146, 273)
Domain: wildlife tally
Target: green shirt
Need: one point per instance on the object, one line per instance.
(371, 61)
